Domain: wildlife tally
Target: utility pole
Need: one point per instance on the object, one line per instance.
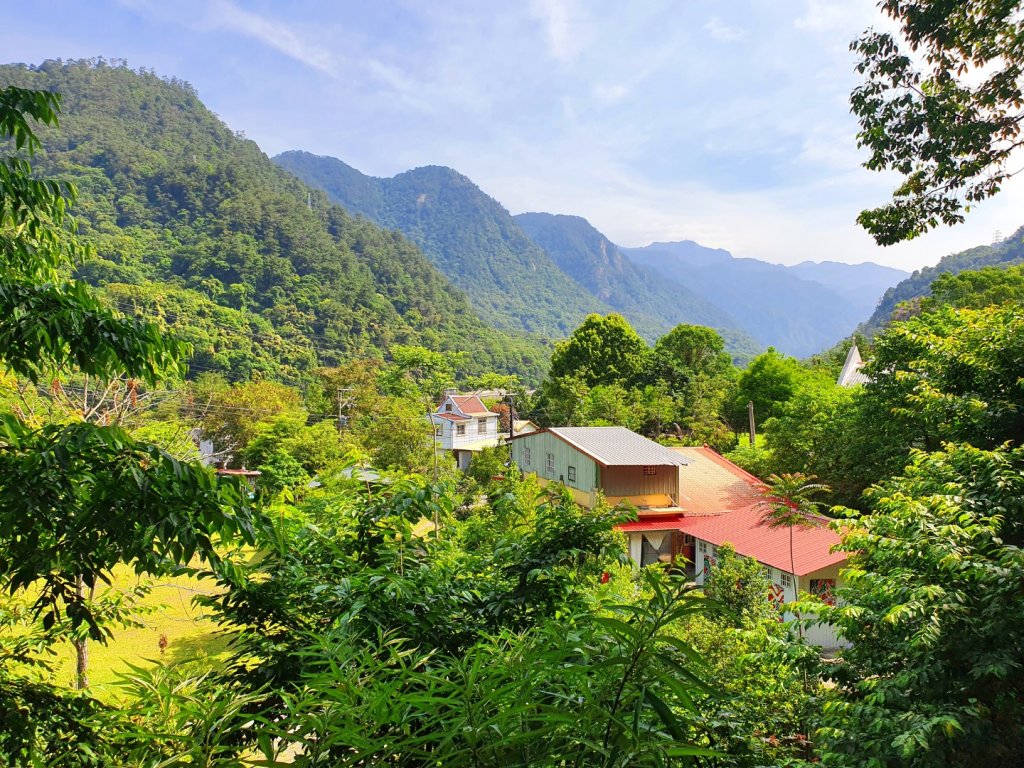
(511, 416)
(750, 416)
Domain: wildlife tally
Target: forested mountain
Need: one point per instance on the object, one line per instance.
(776, 306)
(238, 256)
(652, 304)
(918, 285)
(512, 283)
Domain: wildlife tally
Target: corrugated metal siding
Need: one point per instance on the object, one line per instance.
(631, 481)
(543, 443)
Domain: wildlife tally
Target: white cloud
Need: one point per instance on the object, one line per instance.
(609, 94)
(561, 21)
(723, 32)
(226, 15)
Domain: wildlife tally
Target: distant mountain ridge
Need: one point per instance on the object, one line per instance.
(652, 304)
(544, 272)
(799, 310)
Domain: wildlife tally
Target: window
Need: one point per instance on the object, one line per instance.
(460, 429)
(526, 457)
(785, 579)
(551, 463)
(448, 407)
(572, 474)
(481, 426)
(650, 470)
(702, 547)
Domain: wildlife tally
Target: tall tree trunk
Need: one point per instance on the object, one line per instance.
(81, 646)
(796, 581)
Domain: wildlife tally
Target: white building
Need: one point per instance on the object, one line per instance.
(464, 426)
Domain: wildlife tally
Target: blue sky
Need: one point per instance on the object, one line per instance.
(725, 123)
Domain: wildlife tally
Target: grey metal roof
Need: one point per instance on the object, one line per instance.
(618, 446)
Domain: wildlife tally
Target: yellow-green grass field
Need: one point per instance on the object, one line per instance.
(188, 629)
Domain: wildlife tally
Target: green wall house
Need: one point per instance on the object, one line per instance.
(621, 464)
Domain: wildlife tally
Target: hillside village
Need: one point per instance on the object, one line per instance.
(305, 467)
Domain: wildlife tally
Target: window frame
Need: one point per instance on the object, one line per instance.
(650, 470)
(785, 579)
(550, 463)
(526, 455)
(460, 430)
(481, 426)
(571, 474)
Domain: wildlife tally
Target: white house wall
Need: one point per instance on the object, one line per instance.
(784, 590)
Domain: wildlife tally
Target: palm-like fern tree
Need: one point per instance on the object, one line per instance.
(788, 503)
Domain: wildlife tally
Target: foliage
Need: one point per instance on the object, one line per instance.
(490, 463)
(945, 115)
(949, 375)
(933, 609)
(917, 286)
(769, 381)
(46, 321)
(44, 725)
(740, 585)
(816, 432)
(77, 500)
(978, 288)
(232, 416)
(603, 350)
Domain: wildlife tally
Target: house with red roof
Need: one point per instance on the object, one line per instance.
(464, 426)
(720, 504)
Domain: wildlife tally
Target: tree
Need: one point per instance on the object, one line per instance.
(812, 433)
(46, 321)
(977, 288)
(685, 352)
(78, 499)
(788, 504)
(933, 609)
(769, 381)
(233, 416)
(741, 586)
(945, 115)
(603, 350)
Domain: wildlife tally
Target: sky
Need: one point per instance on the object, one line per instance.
(656, 120)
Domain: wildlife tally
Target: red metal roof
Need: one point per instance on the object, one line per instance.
(471, 404)
(812, 547)
(713, 485)
(721, 503)
(665, 523)
(453, 417)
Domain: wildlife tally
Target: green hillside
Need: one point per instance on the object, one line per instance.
(918, 285)
(512, 283)
(652, 304)
(260, 272)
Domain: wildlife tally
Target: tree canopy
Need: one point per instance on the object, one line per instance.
(941, 106)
